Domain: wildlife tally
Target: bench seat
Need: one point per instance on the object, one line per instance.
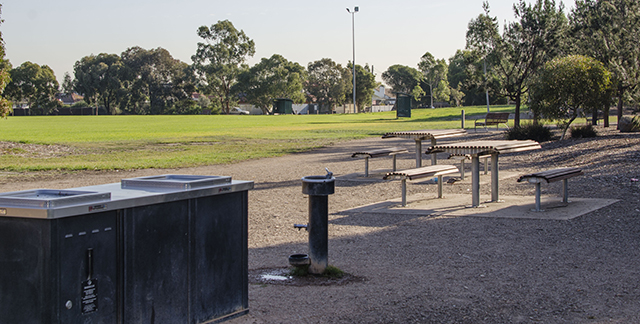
(551, 176)
(492, 119)
(437, 170)
(393, 151)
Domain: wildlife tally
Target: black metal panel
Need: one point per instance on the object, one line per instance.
(156, 269)
(88, 268)
(25, 271)
(219, 285)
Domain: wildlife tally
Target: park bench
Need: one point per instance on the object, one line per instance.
(492, 119)
(393, 151)
(464, 157)
(437, 170)
(551, 176)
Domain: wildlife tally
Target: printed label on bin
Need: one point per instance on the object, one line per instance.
(89, 296)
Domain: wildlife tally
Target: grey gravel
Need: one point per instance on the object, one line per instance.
(422, 269)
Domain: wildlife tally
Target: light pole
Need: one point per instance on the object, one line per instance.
(353, 36)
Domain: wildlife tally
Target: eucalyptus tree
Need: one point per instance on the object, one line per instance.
(99, 79)
(404, 79)
(435, 75)
(220, 59)
(365, 86)
(609, 30)
(327, 83)
(35, 84)
(5, 67)
(155, 81)
(514, 56)
(269, 79)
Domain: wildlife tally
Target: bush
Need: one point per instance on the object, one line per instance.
(583, 131)
(536, 132)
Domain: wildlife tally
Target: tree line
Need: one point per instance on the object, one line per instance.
(513, 63)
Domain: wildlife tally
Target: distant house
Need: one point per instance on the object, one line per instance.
(69, 99)
(382, 96)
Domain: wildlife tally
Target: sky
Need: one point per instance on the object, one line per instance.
(59, 33)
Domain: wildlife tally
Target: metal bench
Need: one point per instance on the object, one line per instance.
(393, 151)
(437, 170)
(551, 176)
(492, 119)
(464, 157)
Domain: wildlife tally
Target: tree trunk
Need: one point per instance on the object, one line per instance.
(594, 117)
(516, 118)
(620, 94)
(605, 114)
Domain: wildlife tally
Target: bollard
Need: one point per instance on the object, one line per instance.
(462, 119)
(318, 188)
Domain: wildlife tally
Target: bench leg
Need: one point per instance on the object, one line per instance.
(394, 163)
(440, 186)
(486, 165)
(434, 161)
(565, 191)
(418, 153)
(462, 170)
(538, 197)
(494, 177)
(475, 181)
(366, 166)
(404, 192)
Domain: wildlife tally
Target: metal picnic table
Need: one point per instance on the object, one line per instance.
(419, 135)
(479, 148)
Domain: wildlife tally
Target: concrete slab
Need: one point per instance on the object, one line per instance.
(456, 205)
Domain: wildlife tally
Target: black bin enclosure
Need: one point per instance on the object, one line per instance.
(163, 249)
(283, 106)
(403, 104)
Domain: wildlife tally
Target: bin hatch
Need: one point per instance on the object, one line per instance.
(51, 198)
(174, 181)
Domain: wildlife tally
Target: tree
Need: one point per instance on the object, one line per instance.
(525, 45)
(404, 79)
(99, 80)
(472, 88)
(365, 86)
(67, 84)
(271, 78)
(155, 81)
(35, 84)
(327, 83)
(569, 86)
(5, 78)
(609, 30)
(219, 60)
(434, 71)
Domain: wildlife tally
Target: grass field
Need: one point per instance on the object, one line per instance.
(136, 142)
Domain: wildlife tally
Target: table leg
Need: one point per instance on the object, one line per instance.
(434, 161)
(418, 153)
(494, 177)
(475, 181)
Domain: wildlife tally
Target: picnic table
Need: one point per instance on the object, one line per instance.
(420, 135)
(479, 148)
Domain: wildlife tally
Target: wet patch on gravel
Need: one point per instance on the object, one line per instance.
(281, 276)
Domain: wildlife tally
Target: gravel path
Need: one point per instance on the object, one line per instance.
(417, 269)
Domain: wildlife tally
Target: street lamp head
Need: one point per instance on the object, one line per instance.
(356, 9)
(349, 11)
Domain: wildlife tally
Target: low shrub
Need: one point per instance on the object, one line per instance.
(583, 131)
(536, 132)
